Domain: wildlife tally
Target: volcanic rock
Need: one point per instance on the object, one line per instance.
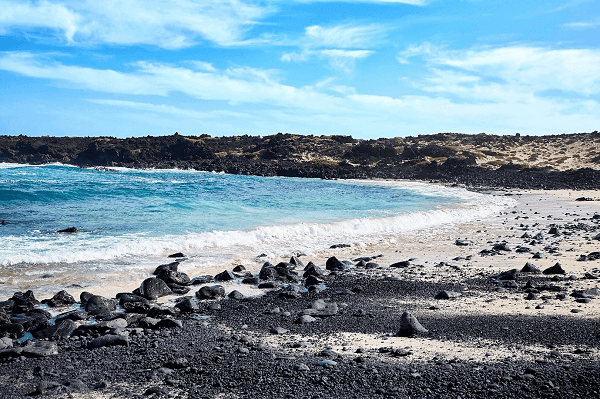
(530, 268)
(409, 325)
(211, 292)
(556, 269)
(100, 306)
(153, 288)
(62, 298)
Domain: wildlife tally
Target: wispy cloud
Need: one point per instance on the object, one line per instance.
(344, 36)
(581, 25)
(169, 109)
(235, 85)
(340, 45)
(339, 59)
(170, 24)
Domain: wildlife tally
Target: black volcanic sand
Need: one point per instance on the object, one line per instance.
(228, 355)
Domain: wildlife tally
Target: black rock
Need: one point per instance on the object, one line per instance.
(312, 280)
(509, 275)
(62, 298)
(251, 280)
(335, 246)
(173, 266)
(312, 270)
(84, 296)
(501, 247)
(173, 277)
(530, 268)
(60, 330)
(211, 292)
(177, 255)
(409, 326)
(335, 264)
(100, 306)
(153, 288)
(203, 280)
(239, 269)
(127, 297)
(404, 263)
(461, 243)
(556, 269)
(25, 298)
(68, 230)
(225, 276)
(235, 294)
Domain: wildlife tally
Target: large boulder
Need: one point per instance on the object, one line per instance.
(62, 298)
(153, 288)
(174, 277)
(100, 306)
(335, 264)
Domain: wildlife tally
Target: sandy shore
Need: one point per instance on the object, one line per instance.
(490, 340)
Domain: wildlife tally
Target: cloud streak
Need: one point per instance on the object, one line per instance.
(170, 24)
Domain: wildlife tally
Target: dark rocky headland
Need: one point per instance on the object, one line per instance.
(568, 161)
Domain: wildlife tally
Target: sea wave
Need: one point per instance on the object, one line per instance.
(88, 247)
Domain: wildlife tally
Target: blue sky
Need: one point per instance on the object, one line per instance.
(365, 68)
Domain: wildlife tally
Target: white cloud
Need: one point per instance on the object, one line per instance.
(236, 85)
(169, 24)
(344, 36)
(505, 72)
(339, 59)
(42, 14)
(168, 109)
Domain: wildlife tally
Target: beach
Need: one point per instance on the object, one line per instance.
(525, 335)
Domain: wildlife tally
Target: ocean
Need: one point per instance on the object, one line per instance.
(129, 220)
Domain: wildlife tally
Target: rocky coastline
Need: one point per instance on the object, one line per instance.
(471, 160)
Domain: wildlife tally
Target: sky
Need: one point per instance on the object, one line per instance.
(364, 68)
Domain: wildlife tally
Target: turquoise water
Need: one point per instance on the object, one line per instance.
(129, 220)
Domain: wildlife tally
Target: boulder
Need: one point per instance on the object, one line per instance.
(409, 326)
(174, 277)
(530, 268)
(235, 294)
(153, 288)
(556, 269)
(100, 306)
(225, 275)
(60, 330)
(335, 264)
(62, 298)
(173, 266)
(509, 275)
(188, 305)
(211, 292)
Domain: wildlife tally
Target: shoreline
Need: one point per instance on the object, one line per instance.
(489, 340)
